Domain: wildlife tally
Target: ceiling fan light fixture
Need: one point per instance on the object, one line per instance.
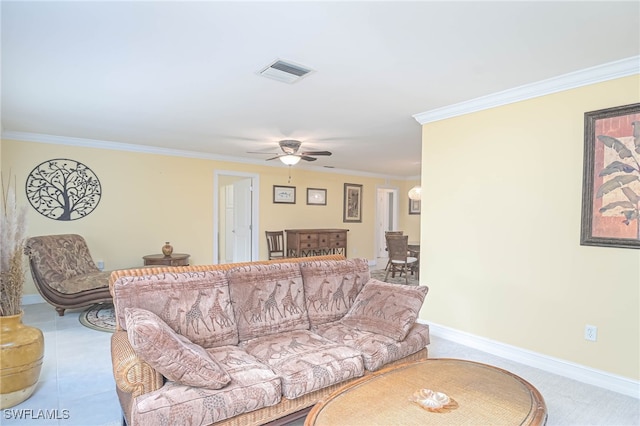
(290, 160)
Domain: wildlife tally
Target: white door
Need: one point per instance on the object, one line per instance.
(227, 243)
(242, 221)
(387, 214)
(235, 222)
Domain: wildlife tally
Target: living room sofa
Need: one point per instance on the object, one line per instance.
(251, 343)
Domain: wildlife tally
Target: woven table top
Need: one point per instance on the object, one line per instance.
(480, 395)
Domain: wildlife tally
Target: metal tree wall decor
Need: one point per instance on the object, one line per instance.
(63, 189)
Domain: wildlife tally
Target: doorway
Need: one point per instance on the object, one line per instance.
(235, 224)
(387, 218)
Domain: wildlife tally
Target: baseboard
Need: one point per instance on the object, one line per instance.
(547, 363)
(32, 299)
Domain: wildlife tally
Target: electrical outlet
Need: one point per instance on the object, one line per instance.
(100, 264)
(591, 333)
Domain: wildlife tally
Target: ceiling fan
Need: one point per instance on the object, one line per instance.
(290, 154)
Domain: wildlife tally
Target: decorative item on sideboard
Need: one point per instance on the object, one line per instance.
(167, 249)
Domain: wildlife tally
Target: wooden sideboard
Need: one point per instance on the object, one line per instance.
(316, 242)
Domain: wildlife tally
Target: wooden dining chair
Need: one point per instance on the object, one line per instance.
(386, 234)
(275, 244)
(399, 259)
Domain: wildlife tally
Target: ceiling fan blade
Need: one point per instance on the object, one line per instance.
(258, 152)
(316, 153)
(304, 157)
(273, 158)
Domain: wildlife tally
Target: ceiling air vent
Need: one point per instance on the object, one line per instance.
(286, 72)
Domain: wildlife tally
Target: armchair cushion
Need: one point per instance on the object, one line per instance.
(65, 264)
(387, 309)
(173, 355)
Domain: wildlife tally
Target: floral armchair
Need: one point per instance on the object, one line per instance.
(64, 272)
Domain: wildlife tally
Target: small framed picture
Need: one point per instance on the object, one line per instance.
(284, 194)
(352, 208)
(316, 197)
(414, 206)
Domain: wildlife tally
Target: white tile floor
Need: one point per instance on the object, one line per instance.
(76, 384)
(76, 376)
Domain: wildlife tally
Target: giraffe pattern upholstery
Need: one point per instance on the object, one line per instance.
(274, 326)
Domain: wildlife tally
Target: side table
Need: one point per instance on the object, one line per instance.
(175, 259)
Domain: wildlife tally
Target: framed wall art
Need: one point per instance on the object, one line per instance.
(611, 178)
(414, 206)
(316, 197)
(352, 209)
(284, 194)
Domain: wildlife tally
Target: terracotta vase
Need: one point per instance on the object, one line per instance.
(21, 354)
(167, 249)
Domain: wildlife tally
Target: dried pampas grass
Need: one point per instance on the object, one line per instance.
(13, 227)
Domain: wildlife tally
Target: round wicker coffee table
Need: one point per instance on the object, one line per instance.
(480, 395)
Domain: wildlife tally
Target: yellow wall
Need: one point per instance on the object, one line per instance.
(410, 224)
(500, 232)
(148, 199)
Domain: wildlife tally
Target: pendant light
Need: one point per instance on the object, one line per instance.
(415, 193)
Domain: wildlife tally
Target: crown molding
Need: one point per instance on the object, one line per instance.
(147, 149)
(585, 77)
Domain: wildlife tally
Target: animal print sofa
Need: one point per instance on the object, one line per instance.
(244, 344)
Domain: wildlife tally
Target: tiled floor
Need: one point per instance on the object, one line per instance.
(76, 384)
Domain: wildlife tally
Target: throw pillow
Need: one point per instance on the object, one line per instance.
(172, 355)
(388, 309)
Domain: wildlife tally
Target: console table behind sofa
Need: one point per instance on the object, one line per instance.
(316, 242)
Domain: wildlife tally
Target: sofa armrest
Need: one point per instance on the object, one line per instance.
(132, 375)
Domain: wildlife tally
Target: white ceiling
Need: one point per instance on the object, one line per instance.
(183, 75)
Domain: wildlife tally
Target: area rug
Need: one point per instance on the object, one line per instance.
(99, 317)
(379, 274)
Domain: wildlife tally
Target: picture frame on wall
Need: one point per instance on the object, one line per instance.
(414, 206)
(316, 196)
(611, 178)
(352, 208)
(284, 194)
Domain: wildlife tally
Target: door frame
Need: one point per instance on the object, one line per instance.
(255, 200)
(382, 205)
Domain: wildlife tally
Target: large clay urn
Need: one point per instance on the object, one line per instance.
(21, 353)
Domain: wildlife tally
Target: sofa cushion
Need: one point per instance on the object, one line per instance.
(253, 386)
(267, 299)
(387, 309)
(331, 286)
(377, 350)
(173, 355)
(194, 304)
(305, 361)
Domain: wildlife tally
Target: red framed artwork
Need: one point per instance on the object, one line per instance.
(611, 178)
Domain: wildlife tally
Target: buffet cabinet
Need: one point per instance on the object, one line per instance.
(316, 242)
